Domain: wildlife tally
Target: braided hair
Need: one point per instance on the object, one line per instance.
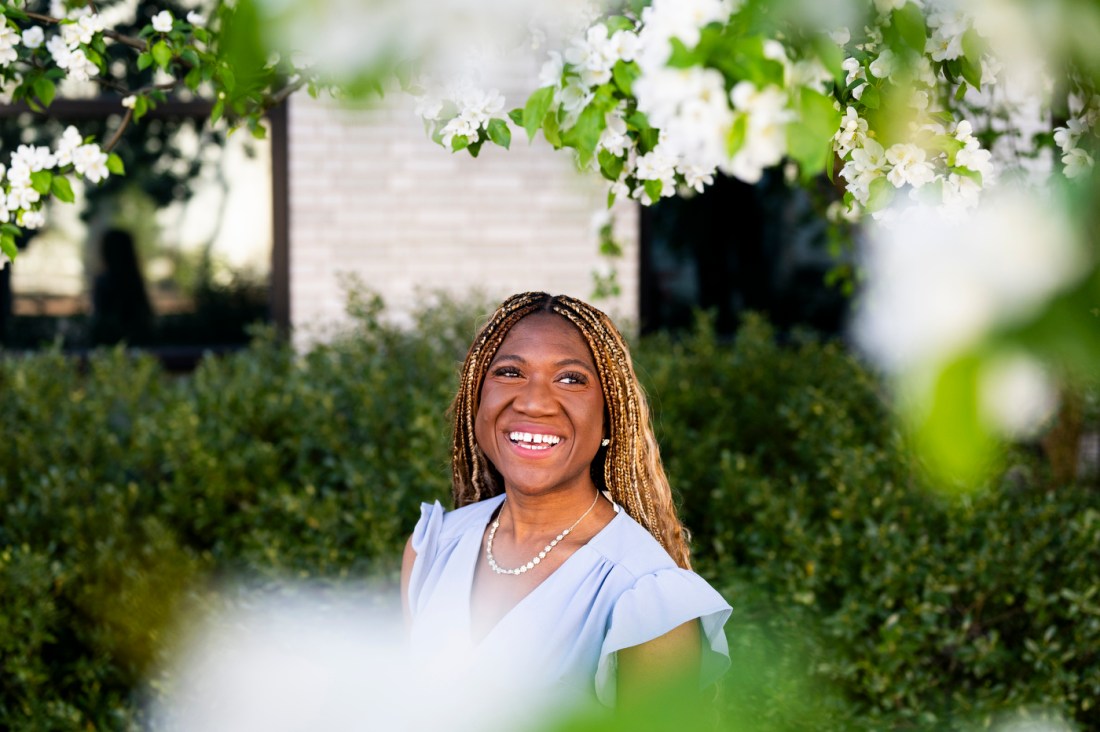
(629, 467)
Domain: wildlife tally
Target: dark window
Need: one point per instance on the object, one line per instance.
(738, 248)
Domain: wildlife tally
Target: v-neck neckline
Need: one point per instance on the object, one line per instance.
(471, 571)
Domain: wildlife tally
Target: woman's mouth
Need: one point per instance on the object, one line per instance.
(533, 440)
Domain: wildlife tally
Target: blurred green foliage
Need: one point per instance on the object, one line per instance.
(861, 600)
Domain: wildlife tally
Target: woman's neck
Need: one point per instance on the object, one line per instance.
(533, 516)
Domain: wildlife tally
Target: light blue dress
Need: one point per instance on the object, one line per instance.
(619, 590)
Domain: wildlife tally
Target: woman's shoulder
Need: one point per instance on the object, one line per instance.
(630, 547)
(451, 524)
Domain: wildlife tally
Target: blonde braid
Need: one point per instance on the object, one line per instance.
(632, 469)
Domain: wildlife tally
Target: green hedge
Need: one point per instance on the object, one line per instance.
(860, 598)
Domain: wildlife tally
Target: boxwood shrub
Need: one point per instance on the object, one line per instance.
(862, 599)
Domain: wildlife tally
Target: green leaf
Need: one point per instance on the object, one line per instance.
(141, 106)
(653, 189)
(870, 97)
(909, 22)
(193, 78)
(217, 111)
(499, 133)
(144, 59)
(162, 54)
(682, 57)
(62, 190)
(516, 115)
(809, 135)
(881, 194)
(971, 71)
(585, 135)
(736, 138)
(114, 164)
(40, 181)
(551, 130)
(459, 142)
(475, 147)
(190, 57)
(831, 57)
(45, 90)
(535, 109)
(624, 74)
(618, 23)
(973, 45)
(968, 173)
(960, 92)
(7, 245)
(949, 144)
(610, 165)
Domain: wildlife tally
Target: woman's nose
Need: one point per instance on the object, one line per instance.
(535, 398)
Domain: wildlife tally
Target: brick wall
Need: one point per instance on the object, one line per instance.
(372, 196)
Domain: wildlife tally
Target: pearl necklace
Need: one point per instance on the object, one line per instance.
(541, 555)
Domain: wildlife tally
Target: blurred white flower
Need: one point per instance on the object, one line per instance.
(948, 28)
(937, 284)
(852, 132)
(840, 36)
(910, 166)
(91, 162)
(551, 71)
(867, 163)
(162, 22)
(32, 219)
(69, 142)
(317, 662)
(1077, 163)
(129, 101)
(855, 71)
(613, 138)
(8, 40)
(1017, 395)
(80, 67)
(884, 65)
(681, 19)
(765, 134)
(33, 37)
(195, 18)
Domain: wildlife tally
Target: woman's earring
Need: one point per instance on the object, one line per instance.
(605, 441)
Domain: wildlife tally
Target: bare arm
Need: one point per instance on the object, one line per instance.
(674, 658)
(407, 560)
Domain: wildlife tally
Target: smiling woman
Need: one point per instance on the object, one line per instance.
(564, 563)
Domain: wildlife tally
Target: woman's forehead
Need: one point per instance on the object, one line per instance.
(545, 335)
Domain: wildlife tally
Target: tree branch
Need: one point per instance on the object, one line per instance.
(118, 133)
(130, 41)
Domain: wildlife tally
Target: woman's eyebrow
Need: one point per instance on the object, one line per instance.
(575, 362)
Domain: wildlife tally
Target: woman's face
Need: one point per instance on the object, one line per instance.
(541, 415)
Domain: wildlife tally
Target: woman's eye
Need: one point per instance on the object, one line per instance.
(573, 378)
(509, 371)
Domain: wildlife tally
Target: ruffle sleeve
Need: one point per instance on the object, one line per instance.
(425, 542)
(656, 604)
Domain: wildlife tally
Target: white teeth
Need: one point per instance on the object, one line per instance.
(530, 440)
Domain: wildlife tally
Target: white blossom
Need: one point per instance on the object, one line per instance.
(162, 22)
(1077, 163)
(840, 36)
(195, 18)
(948, 28)
(8, 41)
(91, 162)
(129, 101)
(551, 71)
(32, 219)
(884, 65)
(33, 37)
(81, 30)
(79, 66)
(681, 19)
(852, 132)
(909, 166)
(937, 284)
(22, 197)
(1067, 137)
(885, 6)
(855, 71)
(69, 142)
(593, 57)
(1017, 395)
(765, 133)
(59, 51)
(867, 163)
(614, 138)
